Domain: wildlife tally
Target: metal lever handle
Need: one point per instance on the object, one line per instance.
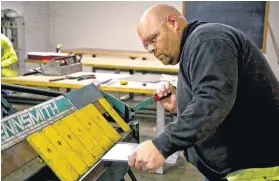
(157, 98)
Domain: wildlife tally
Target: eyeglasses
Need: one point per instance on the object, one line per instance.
(154, 37)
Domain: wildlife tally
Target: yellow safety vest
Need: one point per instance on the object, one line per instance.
(8, 54)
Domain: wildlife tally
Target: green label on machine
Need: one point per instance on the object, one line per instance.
(18, 126)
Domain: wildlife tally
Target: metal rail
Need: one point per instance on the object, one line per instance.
(30, 90)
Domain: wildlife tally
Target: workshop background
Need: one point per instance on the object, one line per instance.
(106, 25)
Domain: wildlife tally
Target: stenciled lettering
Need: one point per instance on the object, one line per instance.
(8, 128)
(44, 107)
(36, 116)
(3, 134)
(18, 125)
(41, 111)
(13, 126)
(27, 122)
(53, 107)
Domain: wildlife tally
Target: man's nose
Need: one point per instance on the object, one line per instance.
(151, 48)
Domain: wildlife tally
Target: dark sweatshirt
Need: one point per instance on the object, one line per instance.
(227, 103)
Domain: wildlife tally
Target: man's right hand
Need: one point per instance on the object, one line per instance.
(168, 103)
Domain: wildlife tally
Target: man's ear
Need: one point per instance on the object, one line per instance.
(172, 19)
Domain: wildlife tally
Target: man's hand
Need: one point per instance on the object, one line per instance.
(170, 102)
(146, 157)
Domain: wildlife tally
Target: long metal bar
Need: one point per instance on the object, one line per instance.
(23, 102)
(25, 98)
(160, 126)
(7, 106)
(30, 90)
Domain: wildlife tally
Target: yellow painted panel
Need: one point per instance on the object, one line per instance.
(84, 136)
(62, 146)
(60, 166)
(93, 129)
(117, 118)
(99, 119)
(75, 144)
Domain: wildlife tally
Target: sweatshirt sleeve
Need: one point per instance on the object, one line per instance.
(9, 55)
(214, 76)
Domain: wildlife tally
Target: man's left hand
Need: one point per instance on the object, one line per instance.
(146, 157)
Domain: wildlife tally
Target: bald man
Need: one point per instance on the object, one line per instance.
(228, 106)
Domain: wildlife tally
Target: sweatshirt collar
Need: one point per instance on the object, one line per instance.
(192, 25)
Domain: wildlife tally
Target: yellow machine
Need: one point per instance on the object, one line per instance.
(65, 138)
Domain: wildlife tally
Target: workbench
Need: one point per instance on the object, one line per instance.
(113, 85)
(121, 53)
(123, 64)
(127, 64)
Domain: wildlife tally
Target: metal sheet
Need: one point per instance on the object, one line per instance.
(84, 96)
(120, 152)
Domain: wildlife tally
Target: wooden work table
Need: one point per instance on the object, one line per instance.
(112, 85)
(121, 53)
(127, 64)
(123, 64)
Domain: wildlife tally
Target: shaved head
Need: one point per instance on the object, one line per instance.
(156, 14)
(160, 29)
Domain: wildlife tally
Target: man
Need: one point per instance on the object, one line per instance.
(227, 98)
(8, 54)
(8, 57)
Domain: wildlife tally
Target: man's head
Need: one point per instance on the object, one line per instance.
(160, 29)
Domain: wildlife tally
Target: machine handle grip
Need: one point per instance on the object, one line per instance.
(157, 98)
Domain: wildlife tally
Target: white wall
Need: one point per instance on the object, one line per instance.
(109, 25)
(35, 36)
(112, 25)
(274, 16)
(270, 49)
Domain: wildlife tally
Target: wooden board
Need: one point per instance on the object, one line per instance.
(149, 65)
(113, 85)
(124, 64)
(249, 17)
(131, 87)
(96, 51)
(43, 80)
